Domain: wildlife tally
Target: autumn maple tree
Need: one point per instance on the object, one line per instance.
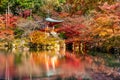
(105, 25)
(73, 29)
(7, 23)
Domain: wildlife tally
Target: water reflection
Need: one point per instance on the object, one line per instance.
(21, 65)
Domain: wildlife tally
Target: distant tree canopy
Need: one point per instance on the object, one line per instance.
(17, 5)
(37, 5)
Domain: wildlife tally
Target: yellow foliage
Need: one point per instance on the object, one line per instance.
(39, 37)
(104, 21)
(102, 34)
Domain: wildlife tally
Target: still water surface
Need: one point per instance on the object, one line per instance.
(48, 65)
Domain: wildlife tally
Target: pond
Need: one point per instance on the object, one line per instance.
(57, 65)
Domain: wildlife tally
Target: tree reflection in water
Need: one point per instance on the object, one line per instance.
(51, 64)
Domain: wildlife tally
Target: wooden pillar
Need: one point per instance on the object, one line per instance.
(73, 47)
(79, 46)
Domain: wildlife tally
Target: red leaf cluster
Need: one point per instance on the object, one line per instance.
(71, 30)
(25, 13)
(8, 21)
(106, 6)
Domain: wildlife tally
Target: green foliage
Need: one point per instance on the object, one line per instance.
(62, 35)
(18, 33)
(17, 5)
(58, 9)
(111, 42)
(18, 58)
(62, 1)
(3, 6)
(36, 6)
(114, 41)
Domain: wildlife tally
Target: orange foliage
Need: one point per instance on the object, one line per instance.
(64, 14)
(6, 33)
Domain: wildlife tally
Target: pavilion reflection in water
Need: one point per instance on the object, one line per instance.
(25, 64)
(22, 65)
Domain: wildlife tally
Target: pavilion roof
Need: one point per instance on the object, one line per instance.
(53, 20)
